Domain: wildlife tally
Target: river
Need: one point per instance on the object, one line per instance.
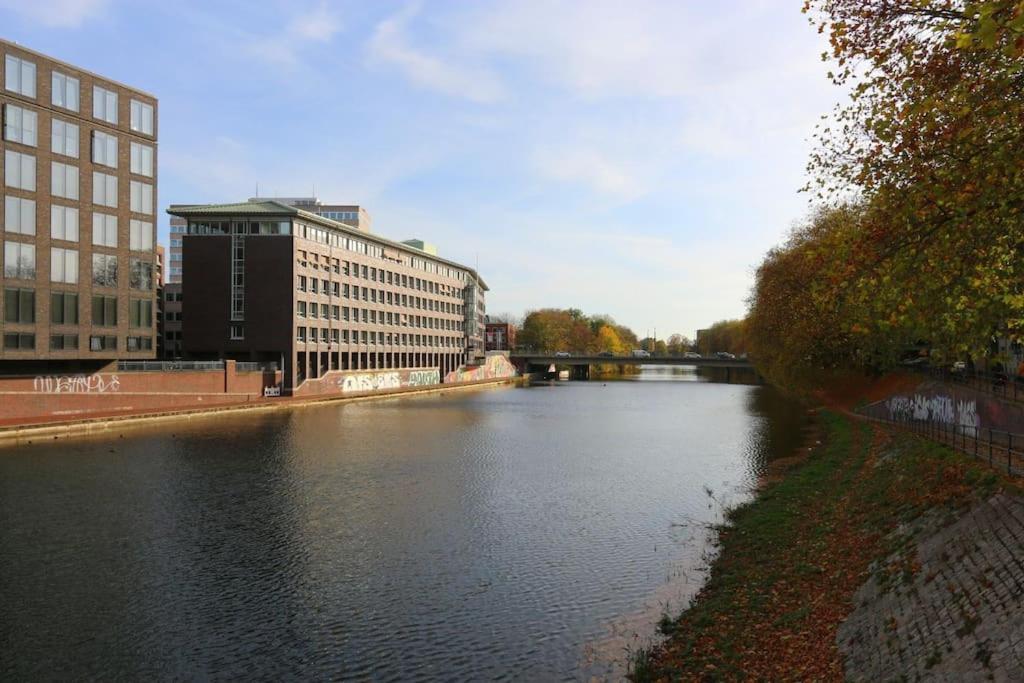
(507, 534)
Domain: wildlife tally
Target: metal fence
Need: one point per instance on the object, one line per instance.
(1002, 450)
(190, 366)
(990, 382)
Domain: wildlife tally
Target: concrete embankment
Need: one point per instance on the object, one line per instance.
(58, 426)
(877, 556)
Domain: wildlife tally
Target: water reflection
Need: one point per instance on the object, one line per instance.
(491, 534)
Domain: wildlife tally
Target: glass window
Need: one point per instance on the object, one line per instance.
(64, 308)
(140, 274)
(64, 180)
(104, 311)
(20, 260)
(104, 149)
(64, 265)
(104, 104)
(140, 313)
(142, 117)
(65, 91)
(142, 159)
(63, 342)
(19, 170)
(64, 138)
(140, 237)
(17, 341)
(20, 76)
(19, 215)
(19, 305)
(100, 343)
(104, 189)
(141, 197)
(21, 125)
(104, 270)
(104, 230)
(64, 223)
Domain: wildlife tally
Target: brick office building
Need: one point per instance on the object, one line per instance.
(266, 281)
(78, 188)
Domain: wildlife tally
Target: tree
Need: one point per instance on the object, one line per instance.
(678, 344)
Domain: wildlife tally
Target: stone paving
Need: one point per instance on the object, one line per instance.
(958, 616)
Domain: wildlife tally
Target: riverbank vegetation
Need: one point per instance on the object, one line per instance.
(569, 329)
(920, 182)
(791, 561)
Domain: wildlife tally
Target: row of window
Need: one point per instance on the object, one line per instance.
(20, 173)
(380, 275)
(381, 296)
(20, 308)
(312, 310)
(22, 125)
(369, 337)
(20, 77)
(20, 264)
(20, 341)
(20, 218)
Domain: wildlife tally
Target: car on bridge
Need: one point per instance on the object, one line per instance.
(725, 355)
(563, 354)
(640, 353)
(691, 354)
(606, 354)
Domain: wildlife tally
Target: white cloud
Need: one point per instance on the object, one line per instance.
(57, 13)
(319, 25)
(390, 45)
(591, 168)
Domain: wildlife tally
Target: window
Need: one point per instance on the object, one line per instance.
(142, 159)
(64, 265)
(301, 312)
(64, 223)
(20, 170)
(142, 197)
(20, 76)
(64, 138)
(64, 92)
(19, 305)
(140, 313)
(140, 274)
(104, 270)
(142, 117)
(140, 235)
(312, 310)
(21, 125)
(64, 308)
(104, 230)
(335, 337)
(323, 311)
(104, 149)
(19, 342)
(313, 285)
(104, 311)
(140, 343)
(300, 334)
(237, 332)
(323, 335)
(104, 104)
(63, 342)
(20, 260)
(64, 180)
(302, 283)
(19, 215)
(104, 189)
(98, 343)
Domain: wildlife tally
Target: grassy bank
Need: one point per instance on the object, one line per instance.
(790, 561)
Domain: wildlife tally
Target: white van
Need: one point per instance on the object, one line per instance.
(640, 353)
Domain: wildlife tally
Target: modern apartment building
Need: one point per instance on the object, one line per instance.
(78, 181)
(172, 269)
(268, 281)
(171, 319)
(349, 214)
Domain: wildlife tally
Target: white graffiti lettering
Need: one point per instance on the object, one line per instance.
(370, 382)
(76, 384)
(935, 408)
(422, 378)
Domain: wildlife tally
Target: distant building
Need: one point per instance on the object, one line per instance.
(79, 191)
(422, 246)
(173, 265)
(267, 281)
(170, 333)
(500, 336)
(349, 214)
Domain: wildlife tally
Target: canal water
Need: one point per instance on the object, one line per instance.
(508, 534)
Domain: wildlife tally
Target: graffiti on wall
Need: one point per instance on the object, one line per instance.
(370, 381)
(496, 367)
(76, 384)
(423, 378)
(944, 409)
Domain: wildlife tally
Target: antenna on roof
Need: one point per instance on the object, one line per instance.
(257, 190)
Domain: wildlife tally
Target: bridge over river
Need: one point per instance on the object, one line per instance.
(541, 362)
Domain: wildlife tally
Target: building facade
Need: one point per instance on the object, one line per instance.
(349, 214)
(78, 175)
(267, 281)
(500, 336)
(172, 272)
(171, 346)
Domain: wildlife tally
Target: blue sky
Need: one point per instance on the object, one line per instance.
(631, 158)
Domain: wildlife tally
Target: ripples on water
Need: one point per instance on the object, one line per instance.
(500, 534)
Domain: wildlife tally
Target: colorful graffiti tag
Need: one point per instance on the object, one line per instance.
(496, 367)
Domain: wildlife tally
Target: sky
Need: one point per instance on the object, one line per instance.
(634, 159)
